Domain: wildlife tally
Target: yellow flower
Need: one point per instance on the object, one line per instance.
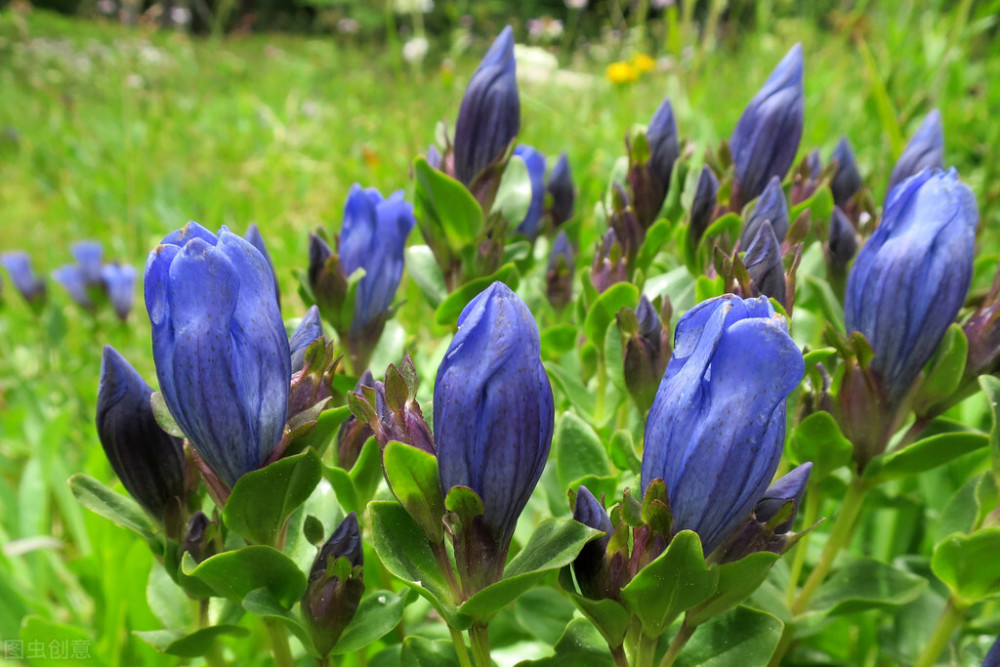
(621, 72)
(643, 63)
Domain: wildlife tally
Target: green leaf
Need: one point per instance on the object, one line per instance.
(580, 644)
(656, 238)
(742, 637)
(571, 387)
(945, 370)
(578, 451)
(413, 476)
(421, 652)
(262, 500)
(233, 574)
(730, 222)
(448, 203)
(555, 543)
(36, 630)
(167, 600)
(968, 565)
(864, 584)
(366, 474)
(403, 548)
(829, 305)
(610, 617)
(818, 356)
(513, 198)
(163, 417)
(447, 313)
(193, 645)
(673, 583)
(319, 437)
(544, 613)
(623, 452)
(817, 438)
(706, 288)
(991, 387)
(377, 615)
(113, 506)
(557, 340)
(602, 312)
(925, 454)
(424, 269)
(737, 582)
(343, 488)
(261, 603)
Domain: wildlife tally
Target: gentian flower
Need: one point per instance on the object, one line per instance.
(790, 487)
(490, 115)
(847, 179)
(911, 277)
(220, 347)
(651, 181)
(645, 350)
(28, 283)
(88, 255)
(767, 135)
(535, 162)
(771, 206)
(148, 461)
(253, 236)
(119, 282)
(763, 263)
(83, 278)
(560, 187)
(717, 426)
(493, 409)
(331, 599)
(842, 241)
(591, 565)
(703, 205)
(925, 151)
(310, 329)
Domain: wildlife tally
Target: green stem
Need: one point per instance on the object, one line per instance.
(444, 564)
(214, 655)
(460, 649)
(811, 511)
(951, 620)
(618, 655)
(480, 638)
(602, 386)
(677, 645)
(646, 652)
(840, 536)
(279, 644)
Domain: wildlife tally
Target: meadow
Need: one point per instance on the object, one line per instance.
(122, 135)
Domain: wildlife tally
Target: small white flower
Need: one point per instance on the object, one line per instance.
(415, 49)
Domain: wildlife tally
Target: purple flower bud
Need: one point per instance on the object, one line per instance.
(119, 281)
(220, 346)
(590, 566)
(843, 242)
(148, 461)
(925, 151)
(910, 279)
(493, 408)
(764, 264)
(353, 432)
(335, 587)
(560, 187)
(535, 162)
(846, 180)
(28, 283)
(717, 426)
(703, 204)
(790, 487)
(609, 263)
(651, 181)
(88, 255)
(310, 329)
(767, 135)
(559, 278)
(490, 115)
(771, 206)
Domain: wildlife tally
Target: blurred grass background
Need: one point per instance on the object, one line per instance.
(122, 134)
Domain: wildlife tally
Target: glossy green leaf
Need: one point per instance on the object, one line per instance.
(580, 644)
(38, 631)
(233, 574)
(193, 645)
(555, 543)
(423, 268)
(262, 500)
(737, 582)
(817, 438)
(343, 488)
(656, 238)
(925, 454)
(968, 564)
(422, 652)
(864, 584)
(945, 370)
(991, 388)
(707, 288)
(113, 506)
(413, 476)
(602, 312)
(513, 198)
(261, 603)
(449, 310)
(449, 203)
(377, 615)
(610, 617)
(557, 340)
(829, 305)
(670, 585)
(739, 638)
(571, 387)
(623, 453)
(578, 450)
(544, 613)
(366, 474)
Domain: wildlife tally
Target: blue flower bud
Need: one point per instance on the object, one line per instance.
(767, 135)
(664, 148)
(373, 238)
(609, 263)
(770, 206)
(119, 281)
(703, 205)
(82, 279)
(149, 462)
(993, 656)
(925, 151)
(310, 329)
(790, 487)
(493, 408)
(220, 346)
(847, 179)
(535, 162)
(28, 283)
(717, 426)
(911, 277)
(560, 187)
(254, 237)
(335, 587)
(645, 349)
(562, 267)
(763, 263)
(490, 115)
(88, 255)
(590, 566)
(843, 242)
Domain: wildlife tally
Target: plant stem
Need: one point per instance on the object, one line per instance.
(811, 511)
(460, 649)
(618, 655)
(602, 385)
(279, 644)
(646, 652)
(951, 619)
(214, 654)
(480, 639)
(843, 529)
(677, 645)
